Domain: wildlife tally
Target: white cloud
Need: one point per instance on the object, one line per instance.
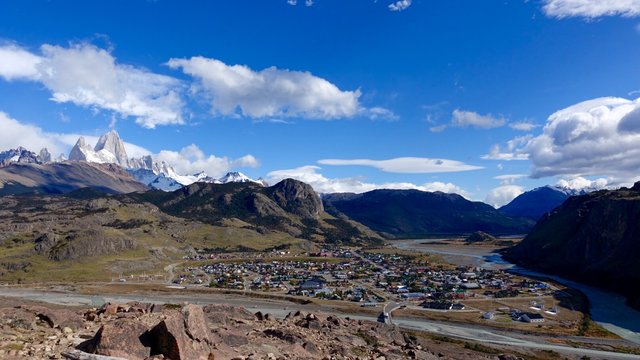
(15, 133)
(594, 138)
(591, 8)
(237, 90)
(191, 159)
(406, 165)
(17, 63)
(509, 178)
(580, 183)
(502, 195)
(462, 118)
(399, 5)
(599, 137)
(31, 137)
(322, 184)
(88, 76)
(523, 126)
(512, 150)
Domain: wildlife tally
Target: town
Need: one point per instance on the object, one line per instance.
(372, 277)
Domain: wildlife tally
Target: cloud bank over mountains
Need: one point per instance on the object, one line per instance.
(311, 175)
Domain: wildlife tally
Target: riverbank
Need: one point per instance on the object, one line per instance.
(607, 309)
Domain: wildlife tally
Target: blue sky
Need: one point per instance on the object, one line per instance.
(446, 93)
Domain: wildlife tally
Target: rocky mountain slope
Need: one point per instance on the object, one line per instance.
(62, 177)
(87, 233)
(289, 206)
(413, 213)
(593, 238)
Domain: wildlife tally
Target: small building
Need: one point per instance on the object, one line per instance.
(311, 285)
(437, 305)
(531, 318)
(412, 296)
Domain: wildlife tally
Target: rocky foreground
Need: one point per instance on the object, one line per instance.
(140, 331)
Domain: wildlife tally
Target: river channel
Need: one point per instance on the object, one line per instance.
(607, 309)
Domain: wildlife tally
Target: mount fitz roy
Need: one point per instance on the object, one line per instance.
(110, 149)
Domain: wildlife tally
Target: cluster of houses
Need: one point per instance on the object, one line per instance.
(367, 277)
(418, 281)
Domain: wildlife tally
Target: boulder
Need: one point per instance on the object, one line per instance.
(183, 336)
(123, 338)
(58, 318)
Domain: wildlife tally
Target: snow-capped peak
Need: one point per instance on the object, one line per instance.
(159, 175)
(111, 143)
(235, 176)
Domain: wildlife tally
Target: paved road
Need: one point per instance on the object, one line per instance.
(281, 309)
(388, 309)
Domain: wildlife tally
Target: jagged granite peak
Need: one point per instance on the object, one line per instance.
(297, 197)
(45, 155)
(112, 143)
(79, 150)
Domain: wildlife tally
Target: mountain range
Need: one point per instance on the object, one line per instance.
(413, 213)
(110, 149)
(87, 233)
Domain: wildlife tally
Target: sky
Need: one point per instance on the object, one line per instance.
(482, 98)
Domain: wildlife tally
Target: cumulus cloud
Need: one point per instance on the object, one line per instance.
(399, 5)
(322, 184)
(463, 119)
(594, 138)
(591, 8)
(502, 195)
(511, 151)
(17, 63)
(191, 159)
(88, 76)
(237, 90)
(523, 126)
(509, 178)
(406, 165)
(599, 137)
